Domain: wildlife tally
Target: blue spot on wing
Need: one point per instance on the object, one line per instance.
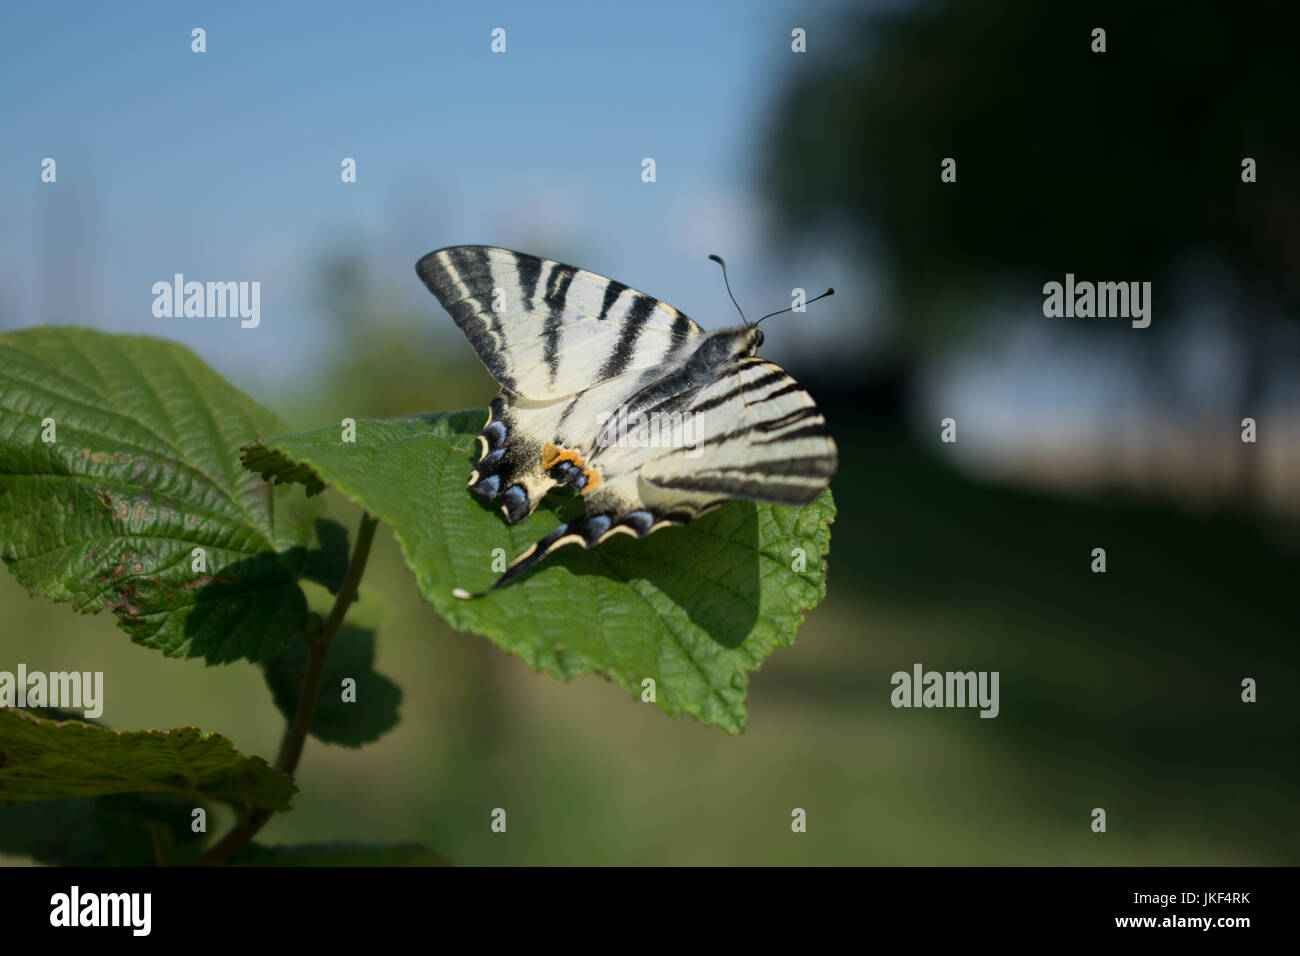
(488, 487)
(596, 526)
(639, 521)
(515, 500)
(564, 472)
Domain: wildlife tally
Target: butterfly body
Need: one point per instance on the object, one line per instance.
(619, 396)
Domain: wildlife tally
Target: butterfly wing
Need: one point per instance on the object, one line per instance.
(753, 433)
(759, 436)
(546, 330)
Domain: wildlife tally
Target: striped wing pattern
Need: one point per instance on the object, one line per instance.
(762, 438)
(568, 347)
(546, 330)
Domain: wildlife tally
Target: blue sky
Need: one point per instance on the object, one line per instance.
(225, 165)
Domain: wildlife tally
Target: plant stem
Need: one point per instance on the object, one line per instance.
(295, 735)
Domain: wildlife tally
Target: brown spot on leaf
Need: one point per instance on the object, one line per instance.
(123, 608)
(106, 457)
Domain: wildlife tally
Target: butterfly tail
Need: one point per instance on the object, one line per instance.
(569, 533)
(587, 530)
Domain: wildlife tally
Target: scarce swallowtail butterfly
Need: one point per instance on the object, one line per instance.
(619, 396)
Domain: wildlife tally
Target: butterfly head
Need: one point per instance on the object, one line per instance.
(722, 349)
(745, 340)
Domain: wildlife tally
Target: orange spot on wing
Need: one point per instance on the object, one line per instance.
(552, 455)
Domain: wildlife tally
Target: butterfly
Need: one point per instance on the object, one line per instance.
(617, 395)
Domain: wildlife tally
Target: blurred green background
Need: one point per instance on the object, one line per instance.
(1118, 690)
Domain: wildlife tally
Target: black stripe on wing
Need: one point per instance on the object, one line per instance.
(529, 269)
(468, 308)
(814, 429)
(557, 287)
(613, 290)
(717, 401)
(642, 308)
(755, 487)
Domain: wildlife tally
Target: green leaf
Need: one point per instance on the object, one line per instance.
(337, 854)
(46, 760)
(148, 829)
(143, 470)
(57, 832)
(694, 608)
(370, 716)
(121, 829)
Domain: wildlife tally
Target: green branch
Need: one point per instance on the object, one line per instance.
(295, 736)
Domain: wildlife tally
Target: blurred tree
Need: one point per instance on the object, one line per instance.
(388, 358)
(1113, 166)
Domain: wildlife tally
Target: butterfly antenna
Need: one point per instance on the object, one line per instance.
(809, 302)
(718, 260)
